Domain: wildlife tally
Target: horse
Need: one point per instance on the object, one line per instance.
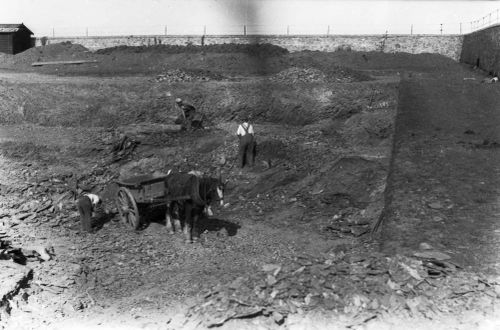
(192, 196)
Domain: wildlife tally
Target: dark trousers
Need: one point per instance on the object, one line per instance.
(85, 210)
(246, 153)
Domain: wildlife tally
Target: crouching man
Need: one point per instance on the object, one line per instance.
(87, 204)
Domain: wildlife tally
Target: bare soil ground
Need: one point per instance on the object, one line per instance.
(447, 164)
(290, 250)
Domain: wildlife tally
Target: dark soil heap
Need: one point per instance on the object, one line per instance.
(54, 52)
(252, 49)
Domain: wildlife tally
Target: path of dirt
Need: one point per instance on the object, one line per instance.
(445, 178)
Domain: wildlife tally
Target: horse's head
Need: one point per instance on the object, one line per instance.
(219, 189)
(213, 190)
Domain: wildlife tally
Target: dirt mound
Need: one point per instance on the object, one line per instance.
(349, 182)
(252, 49)
(184, 75)
(343, 74)
(295, 75)
(53, 52)
(271, 151)
(368, 127)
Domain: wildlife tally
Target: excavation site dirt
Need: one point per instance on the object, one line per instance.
(373, 201)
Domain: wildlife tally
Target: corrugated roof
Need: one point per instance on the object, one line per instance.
(10, 28)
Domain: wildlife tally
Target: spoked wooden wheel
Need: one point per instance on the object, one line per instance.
(127, 208)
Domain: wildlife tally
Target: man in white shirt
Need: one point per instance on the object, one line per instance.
(246, 151)
(86, 205)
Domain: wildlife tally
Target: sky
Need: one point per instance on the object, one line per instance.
(144, 17)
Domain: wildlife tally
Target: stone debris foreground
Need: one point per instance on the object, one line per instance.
(13, 277)
(362, 286)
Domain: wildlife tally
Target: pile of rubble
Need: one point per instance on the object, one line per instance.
(341, 74)
(299, 75)
(54, 195)
(366, 285)
(335, 74)
(179, 75)
(349, 222)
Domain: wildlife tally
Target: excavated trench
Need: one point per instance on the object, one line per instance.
(318, 170)
(317, 189)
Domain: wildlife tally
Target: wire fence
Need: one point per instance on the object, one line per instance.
(318, 29)
(492, 18)
(448, 28)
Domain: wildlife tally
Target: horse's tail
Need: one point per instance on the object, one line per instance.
(195, 191)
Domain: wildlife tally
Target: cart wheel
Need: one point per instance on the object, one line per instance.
(127, 208)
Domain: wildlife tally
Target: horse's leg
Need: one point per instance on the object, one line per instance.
(188, 222)
(177, 219)
(196, 232)
(168, 219)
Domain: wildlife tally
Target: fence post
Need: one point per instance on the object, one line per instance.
(87, 32)
(287, 29)
(328, 30)
(53, 32)
(460, 27)
(411, 31)
(441, 28)
(166, 30)
(490, 19)
(204, 29)
(244, 30)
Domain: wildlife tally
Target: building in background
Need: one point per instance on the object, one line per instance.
(15, 38)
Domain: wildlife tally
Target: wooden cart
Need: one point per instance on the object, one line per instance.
(137, 193)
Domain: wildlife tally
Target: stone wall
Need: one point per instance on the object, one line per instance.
(482, 48)
(447, 45)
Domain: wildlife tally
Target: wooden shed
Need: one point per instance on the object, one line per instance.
(14, 38)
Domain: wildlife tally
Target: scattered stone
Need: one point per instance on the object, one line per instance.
(437, 219)
(40, 250)
(432, 255)
(314, 282)
(435, 205)
(184, 75)
(302, 75)
(425, 246)
(12, 278)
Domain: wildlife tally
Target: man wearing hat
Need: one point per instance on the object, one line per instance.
(190, 118)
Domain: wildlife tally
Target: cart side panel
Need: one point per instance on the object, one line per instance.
(137, 193)
(145, 189)
(152, 192)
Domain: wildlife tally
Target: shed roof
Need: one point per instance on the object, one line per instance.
(10, 28)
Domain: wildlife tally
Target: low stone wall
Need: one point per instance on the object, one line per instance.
(447, 45)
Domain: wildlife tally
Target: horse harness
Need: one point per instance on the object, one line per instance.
(206, 190)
